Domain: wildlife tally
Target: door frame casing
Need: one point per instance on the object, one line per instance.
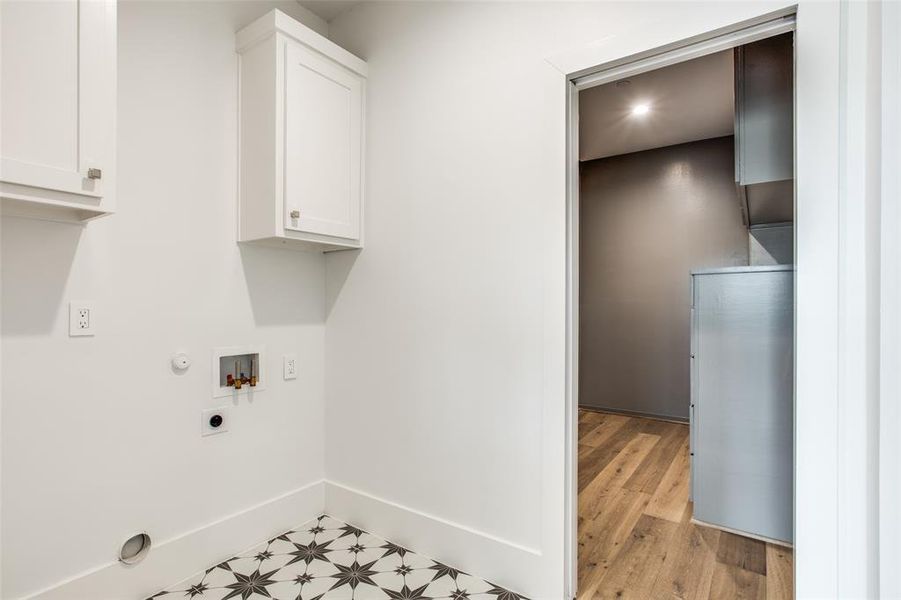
(821, 240)
(890, 314)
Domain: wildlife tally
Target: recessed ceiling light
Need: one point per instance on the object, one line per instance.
(641, 109)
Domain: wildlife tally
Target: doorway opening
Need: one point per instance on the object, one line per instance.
(682, 272)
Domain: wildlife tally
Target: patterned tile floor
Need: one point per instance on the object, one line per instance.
(330, 560)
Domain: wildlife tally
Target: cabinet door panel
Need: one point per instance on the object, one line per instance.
(765, 110)
(323, 120)
(743, 390)
(56, 89)
(40, 83)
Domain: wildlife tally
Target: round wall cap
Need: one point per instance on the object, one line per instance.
(181, 361)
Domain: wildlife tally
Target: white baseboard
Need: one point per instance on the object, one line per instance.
(509, 564)
(173, 560)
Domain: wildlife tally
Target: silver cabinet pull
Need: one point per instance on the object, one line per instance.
(94, 173)
(295, 214)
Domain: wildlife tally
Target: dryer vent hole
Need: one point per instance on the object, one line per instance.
(135, 549)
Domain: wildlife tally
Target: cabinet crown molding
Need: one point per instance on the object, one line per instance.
(275, 21)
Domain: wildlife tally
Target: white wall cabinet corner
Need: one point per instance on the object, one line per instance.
(58, 108)
(302, 110)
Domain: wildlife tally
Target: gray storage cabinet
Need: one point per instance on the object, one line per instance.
(764, 129)
(742, 385)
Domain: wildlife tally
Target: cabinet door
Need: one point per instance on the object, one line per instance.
(57, 95)
(765, 110)
(323, 145)
(743, 393)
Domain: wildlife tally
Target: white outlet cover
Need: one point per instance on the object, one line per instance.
(206, 428)
(290, 366)
(81, 319)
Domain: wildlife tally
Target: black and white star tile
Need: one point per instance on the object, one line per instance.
(330, 560)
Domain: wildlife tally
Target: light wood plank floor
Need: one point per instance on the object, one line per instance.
(636, 539)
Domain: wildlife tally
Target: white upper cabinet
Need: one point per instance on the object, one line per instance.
(57, 108)
(301, 126)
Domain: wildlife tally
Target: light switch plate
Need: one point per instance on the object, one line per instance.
(290, 366)
(81, 319)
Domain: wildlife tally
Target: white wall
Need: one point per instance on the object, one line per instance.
(445, 335)
(451, 321)
(100, 438)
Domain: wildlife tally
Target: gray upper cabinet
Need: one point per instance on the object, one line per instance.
(764, 128)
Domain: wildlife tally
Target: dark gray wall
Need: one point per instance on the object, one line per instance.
(647, 220)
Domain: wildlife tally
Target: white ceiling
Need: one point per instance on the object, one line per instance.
(688, 101)
(328, 9)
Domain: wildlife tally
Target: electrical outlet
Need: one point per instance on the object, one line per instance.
(81, 319)
(290, 366)
(214, 420)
